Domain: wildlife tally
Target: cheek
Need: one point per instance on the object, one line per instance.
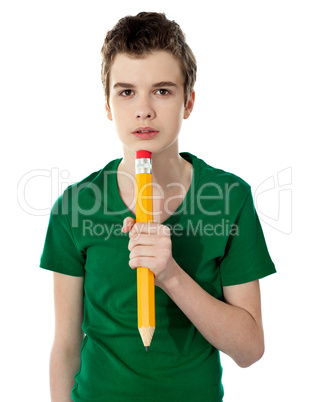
(175, 117)
(119, 117)
(172, 112)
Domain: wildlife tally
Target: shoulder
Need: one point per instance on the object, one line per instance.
(213, 180)
(95, 179)
(92, 184)
(87, 191)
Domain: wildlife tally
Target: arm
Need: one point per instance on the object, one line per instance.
(65, 353)
(233, 326)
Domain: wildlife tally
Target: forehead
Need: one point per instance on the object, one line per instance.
(152, 67)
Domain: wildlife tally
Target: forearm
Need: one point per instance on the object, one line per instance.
(63, 366)
(229, 328)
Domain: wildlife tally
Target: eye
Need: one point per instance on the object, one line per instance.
(126, 92)
(163, 92)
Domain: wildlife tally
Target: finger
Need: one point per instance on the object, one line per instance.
(137, 239)
(146, 228)
(128, 224)
(147, 262)
(142, 251)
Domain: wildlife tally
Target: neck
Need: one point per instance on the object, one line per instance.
(167, 166)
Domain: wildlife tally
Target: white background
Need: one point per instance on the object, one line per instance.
(250, 118)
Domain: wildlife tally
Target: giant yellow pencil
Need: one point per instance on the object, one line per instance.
(145, 278)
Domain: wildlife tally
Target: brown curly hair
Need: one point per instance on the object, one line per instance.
(141, 34)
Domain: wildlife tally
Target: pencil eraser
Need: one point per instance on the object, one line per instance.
(143, 154)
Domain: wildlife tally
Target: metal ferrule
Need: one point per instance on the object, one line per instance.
(143, 165)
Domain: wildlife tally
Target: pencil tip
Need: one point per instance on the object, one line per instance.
(146, 347)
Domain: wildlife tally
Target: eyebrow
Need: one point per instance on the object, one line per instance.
(164, 84)
(123, 85)
(156, 85)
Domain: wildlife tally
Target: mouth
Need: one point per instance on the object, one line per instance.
(145, 132)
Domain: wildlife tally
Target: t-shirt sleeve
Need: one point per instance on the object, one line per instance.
(60, 252)
(246, 256)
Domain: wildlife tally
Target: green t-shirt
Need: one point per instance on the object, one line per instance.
(216, 238)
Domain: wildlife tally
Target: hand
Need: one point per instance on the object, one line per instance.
(151, 247)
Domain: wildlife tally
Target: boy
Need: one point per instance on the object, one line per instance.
(205, 246)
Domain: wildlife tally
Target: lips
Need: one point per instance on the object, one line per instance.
(145, 132)
(140, 130)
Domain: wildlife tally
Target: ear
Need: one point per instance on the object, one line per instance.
(108, 111)
(189, 106)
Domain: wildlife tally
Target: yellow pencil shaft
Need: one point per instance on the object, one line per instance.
(145, 278)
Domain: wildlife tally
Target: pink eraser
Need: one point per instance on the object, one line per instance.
(143, 154)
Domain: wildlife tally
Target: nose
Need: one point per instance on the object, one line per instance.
(144, 116)
(144, 110)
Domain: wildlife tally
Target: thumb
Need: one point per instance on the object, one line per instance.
(128, 224)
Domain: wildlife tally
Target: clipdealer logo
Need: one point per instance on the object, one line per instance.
(38, 189)
(30, 185)
(222, 228)
(273, 201)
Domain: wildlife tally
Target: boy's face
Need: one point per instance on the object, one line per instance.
(147, 94)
